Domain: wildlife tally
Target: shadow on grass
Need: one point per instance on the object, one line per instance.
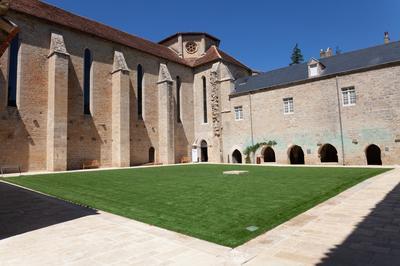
(23, 210)
(375, 241)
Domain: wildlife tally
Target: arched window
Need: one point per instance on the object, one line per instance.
(87, 81)
(13, 72)
(139, 72)
(178, 99)
(204, 99)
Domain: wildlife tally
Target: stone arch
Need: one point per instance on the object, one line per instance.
(237, 157)
(328, 154)
(152, 155)
(296, 155)
(373, 154)
(203, 151)
(268, 154)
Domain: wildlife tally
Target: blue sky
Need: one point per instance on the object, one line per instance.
(259, 33)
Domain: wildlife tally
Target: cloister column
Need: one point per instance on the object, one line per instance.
(120, 112)
(57, 112)
(166, 115)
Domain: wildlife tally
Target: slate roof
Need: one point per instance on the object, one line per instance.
(59, 16)
(334, 65)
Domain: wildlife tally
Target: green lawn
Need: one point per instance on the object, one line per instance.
(198, 200)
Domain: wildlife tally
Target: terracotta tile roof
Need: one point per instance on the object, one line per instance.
(56, 15)
(214, 54)
(59, 16)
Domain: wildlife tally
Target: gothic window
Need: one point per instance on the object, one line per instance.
(178, 99)
(191, 47)
(87, 80)
(204, 99)
(13, 72)
(140, 92)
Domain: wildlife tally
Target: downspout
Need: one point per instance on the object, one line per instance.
(340, 118)
(251, 125)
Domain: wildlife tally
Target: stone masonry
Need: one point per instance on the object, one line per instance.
(48, 129)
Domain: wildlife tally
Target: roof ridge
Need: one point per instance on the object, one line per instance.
(28, 7)
(217, 51)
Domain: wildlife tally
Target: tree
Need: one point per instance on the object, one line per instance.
(297, 56)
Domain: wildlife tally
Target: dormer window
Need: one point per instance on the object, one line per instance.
(315, 68)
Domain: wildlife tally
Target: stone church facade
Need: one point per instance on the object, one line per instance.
(73, 90)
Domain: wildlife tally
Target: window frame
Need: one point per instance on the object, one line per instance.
(238, 113)
(290, 105)
(347, 98)
(313, 68)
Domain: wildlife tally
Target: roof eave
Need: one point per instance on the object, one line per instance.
(303, 81)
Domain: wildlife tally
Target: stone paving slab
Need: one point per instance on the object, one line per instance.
(360, 226)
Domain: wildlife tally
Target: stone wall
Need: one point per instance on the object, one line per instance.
(315, 121)
(23, 134)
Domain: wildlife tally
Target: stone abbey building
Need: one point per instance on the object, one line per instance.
(73, 90)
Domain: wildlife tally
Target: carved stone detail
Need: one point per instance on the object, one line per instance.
(119, 62)
(214, 99)
(164, 75)
(57, 44)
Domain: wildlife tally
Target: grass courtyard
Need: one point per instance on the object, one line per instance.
(198, 200)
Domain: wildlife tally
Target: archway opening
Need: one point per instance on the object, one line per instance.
(269, 155)
(296, 155)
(152, 152)
(204, 151)
(236, 157)
(328, 154)
(373, 153)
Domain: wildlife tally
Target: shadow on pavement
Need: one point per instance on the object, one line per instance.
(375, 241)
(23, 210)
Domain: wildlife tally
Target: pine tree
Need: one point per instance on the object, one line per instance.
(297, 56)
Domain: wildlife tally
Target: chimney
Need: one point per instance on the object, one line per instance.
(386, 40)
(327, 53)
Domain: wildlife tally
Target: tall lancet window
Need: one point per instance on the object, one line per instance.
(204, 99)
(13, 72)
(87, 81)
(178, 99)
(140, 92)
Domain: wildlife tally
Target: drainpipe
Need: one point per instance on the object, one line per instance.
(340, 117)
(251, 126)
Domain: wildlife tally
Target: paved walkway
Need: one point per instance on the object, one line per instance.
(358, 227)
